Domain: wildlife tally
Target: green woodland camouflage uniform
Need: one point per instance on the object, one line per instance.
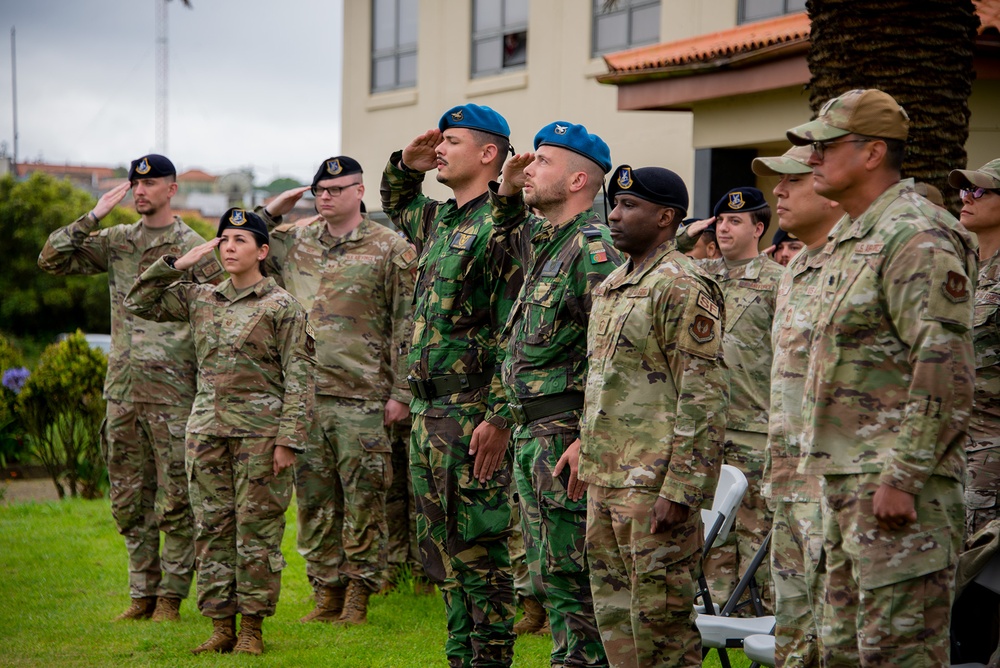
(546, 336)
(466, 285)
(749, 287)
(888, 395)
(652, 427)
(149, 387)
(982, 492)
(256, 357)
(402, 553)
(357, 290)
(797, 541)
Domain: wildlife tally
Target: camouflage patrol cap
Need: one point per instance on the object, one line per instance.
(987, 176)
(794, 161)
(242, 219)
(868, 112)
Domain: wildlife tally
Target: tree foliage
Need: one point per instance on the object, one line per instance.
(918, 52)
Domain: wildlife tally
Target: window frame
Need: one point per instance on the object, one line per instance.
(628, 9)
(741, 14)
(501, 31)
(396, 52)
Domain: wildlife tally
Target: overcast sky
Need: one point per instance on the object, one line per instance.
(252, 83)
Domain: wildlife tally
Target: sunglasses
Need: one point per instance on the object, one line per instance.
(975, 194)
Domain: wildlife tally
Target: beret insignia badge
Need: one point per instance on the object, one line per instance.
(736, 200)
(333, 167)
(625, 178)
(238, 217)
(143, 167)
(457, 115)
(560, 129)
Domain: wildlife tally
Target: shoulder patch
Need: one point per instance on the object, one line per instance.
(702, 329)
(956, 287)
(705, 302)
(598, 253)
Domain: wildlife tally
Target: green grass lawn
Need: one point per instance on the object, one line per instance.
(63, 578)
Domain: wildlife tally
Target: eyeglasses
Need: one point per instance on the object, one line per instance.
(332, 191)
(819, 147)
(975, 194)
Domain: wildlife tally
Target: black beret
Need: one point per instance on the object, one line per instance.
(242, 219)
(151, 166)
(781, 237)
(688, 221)
(740, 200)
(653, 184)
(340, 165)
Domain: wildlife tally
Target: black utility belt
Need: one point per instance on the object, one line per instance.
(443, 386)
(530, 410)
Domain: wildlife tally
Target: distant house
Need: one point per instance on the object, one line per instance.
(195, 181)
(94, 180)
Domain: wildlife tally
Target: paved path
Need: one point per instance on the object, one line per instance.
(24, 491)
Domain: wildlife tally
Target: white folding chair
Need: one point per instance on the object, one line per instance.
(718, 522)
(760, 649)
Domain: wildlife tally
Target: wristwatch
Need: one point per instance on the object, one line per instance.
(498, 421)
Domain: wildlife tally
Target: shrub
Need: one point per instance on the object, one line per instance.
(13, 377)
(61, 408)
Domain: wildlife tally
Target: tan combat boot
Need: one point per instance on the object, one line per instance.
(167, 610)
(141, 608)
(223, 637)
(329, 605)
(534, 618)
(355, 604)
(250, 640)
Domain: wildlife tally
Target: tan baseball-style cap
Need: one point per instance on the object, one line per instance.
(868, 112)
(794, 161)
(987, 176)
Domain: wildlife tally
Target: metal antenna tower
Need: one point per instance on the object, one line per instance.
(161, 75)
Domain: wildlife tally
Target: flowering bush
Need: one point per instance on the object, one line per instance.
(14, 379)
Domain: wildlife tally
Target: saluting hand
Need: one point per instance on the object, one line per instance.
(694, 229)
(284, 202)
(194, 256)
(111, 199)
(513, 173)
(576, 489)
(421, 154)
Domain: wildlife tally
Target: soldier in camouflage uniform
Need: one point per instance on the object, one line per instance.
(888, 394)
(149, 387)
(652, 427)
(466, 285)
(749, 279)
(256, 357)
(981, 214)
(797, 539)
(564, 254)
(355, 279)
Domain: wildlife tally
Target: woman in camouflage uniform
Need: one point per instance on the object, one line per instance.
(255, 357)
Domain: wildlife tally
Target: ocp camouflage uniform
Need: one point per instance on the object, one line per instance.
(797, 539)
(357, 289)
(546, 361)
(402, 551)
(749, 287)
(149, 387)
(466, 285)
(888, 395)
(982, 487)
(652, 427)
(256, 358)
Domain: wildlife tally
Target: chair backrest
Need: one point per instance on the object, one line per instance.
(989, 577)
(729, 493)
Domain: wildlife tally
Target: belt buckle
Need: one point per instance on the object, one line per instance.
(419, 387)
(517, 412)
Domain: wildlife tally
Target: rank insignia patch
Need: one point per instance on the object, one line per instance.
(955, 287)
(701, 329)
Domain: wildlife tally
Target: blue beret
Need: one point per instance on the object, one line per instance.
(243, 220)
(151, 166)
(475, 117)
(575, 138)
(332, 168)
(740, 200)
(653, 184)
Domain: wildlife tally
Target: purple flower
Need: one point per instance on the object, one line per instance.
(15, 378)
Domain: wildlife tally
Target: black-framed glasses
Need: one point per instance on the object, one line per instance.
(332, 191)
(819, 147)
(975, 193)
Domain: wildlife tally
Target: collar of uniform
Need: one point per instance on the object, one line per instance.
(170, 235)
(748, 269)
(864, 224)
(227, 290)
(636, 274)
(550, 230)
(359, 232)
(989, 273)
(469, 206)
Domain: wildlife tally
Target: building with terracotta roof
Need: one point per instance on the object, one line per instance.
(698, 86)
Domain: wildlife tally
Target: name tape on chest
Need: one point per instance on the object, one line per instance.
(868, 249)
(755, 285)
(706, 302)
(987, 298)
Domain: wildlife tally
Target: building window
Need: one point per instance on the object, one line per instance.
(394, 44)
(630, 23)
(499, 36)
(756, 10)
